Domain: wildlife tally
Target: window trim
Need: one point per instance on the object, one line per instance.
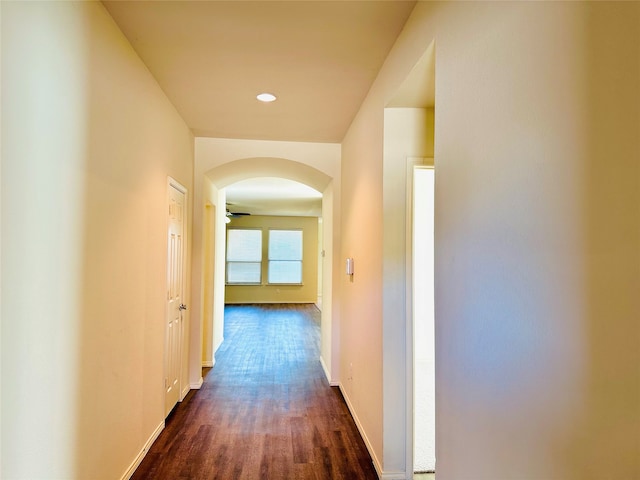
(269, 260)
(260, 262)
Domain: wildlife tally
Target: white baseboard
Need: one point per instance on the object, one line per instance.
(208, 364)
(394, 476)
(194, 386)
(327, 373)
(138, 460)
(274, 302)
(376, 463)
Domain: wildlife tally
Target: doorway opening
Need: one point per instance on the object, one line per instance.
(424, 458)
(409, 150)
(221, 190)
(265, 215)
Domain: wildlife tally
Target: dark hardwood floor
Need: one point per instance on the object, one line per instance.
(265, 410)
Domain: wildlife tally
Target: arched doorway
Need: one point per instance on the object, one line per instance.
(212, 193)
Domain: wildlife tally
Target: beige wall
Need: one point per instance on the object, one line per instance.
(212, 289)
(208, 243)
(208, 268)
(330, 264)
(537, 232)
(265, 293)
(361, 296)
(88, 140)
(408, 140)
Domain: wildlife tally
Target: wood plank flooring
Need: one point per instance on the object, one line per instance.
(265, 410)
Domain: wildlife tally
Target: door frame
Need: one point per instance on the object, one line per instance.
(412, 163)
(415, 163)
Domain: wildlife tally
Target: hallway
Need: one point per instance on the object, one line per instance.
(265, 410)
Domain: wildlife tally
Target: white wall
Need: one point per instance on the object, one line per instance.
(88, 140)
(537, 234)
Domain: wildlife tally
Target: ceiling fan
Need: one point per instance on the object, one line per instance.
(231, 214)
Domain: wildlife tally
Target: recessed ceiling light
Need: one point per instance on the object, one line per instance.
(266, 97)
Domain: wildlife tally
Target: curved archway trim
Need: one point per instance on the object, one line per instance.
(244, 168)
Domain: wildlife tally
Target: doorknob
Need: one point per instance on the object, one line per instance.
(182, 306)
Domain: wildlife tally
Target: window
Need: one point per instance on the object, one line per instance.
(285, 256)
(244, 256)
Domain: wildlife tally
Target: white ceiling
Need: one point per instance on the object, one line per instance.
(212, 58)
(270, 196)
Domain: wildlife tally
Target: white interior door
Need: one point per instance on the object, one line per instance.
(175, 295)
